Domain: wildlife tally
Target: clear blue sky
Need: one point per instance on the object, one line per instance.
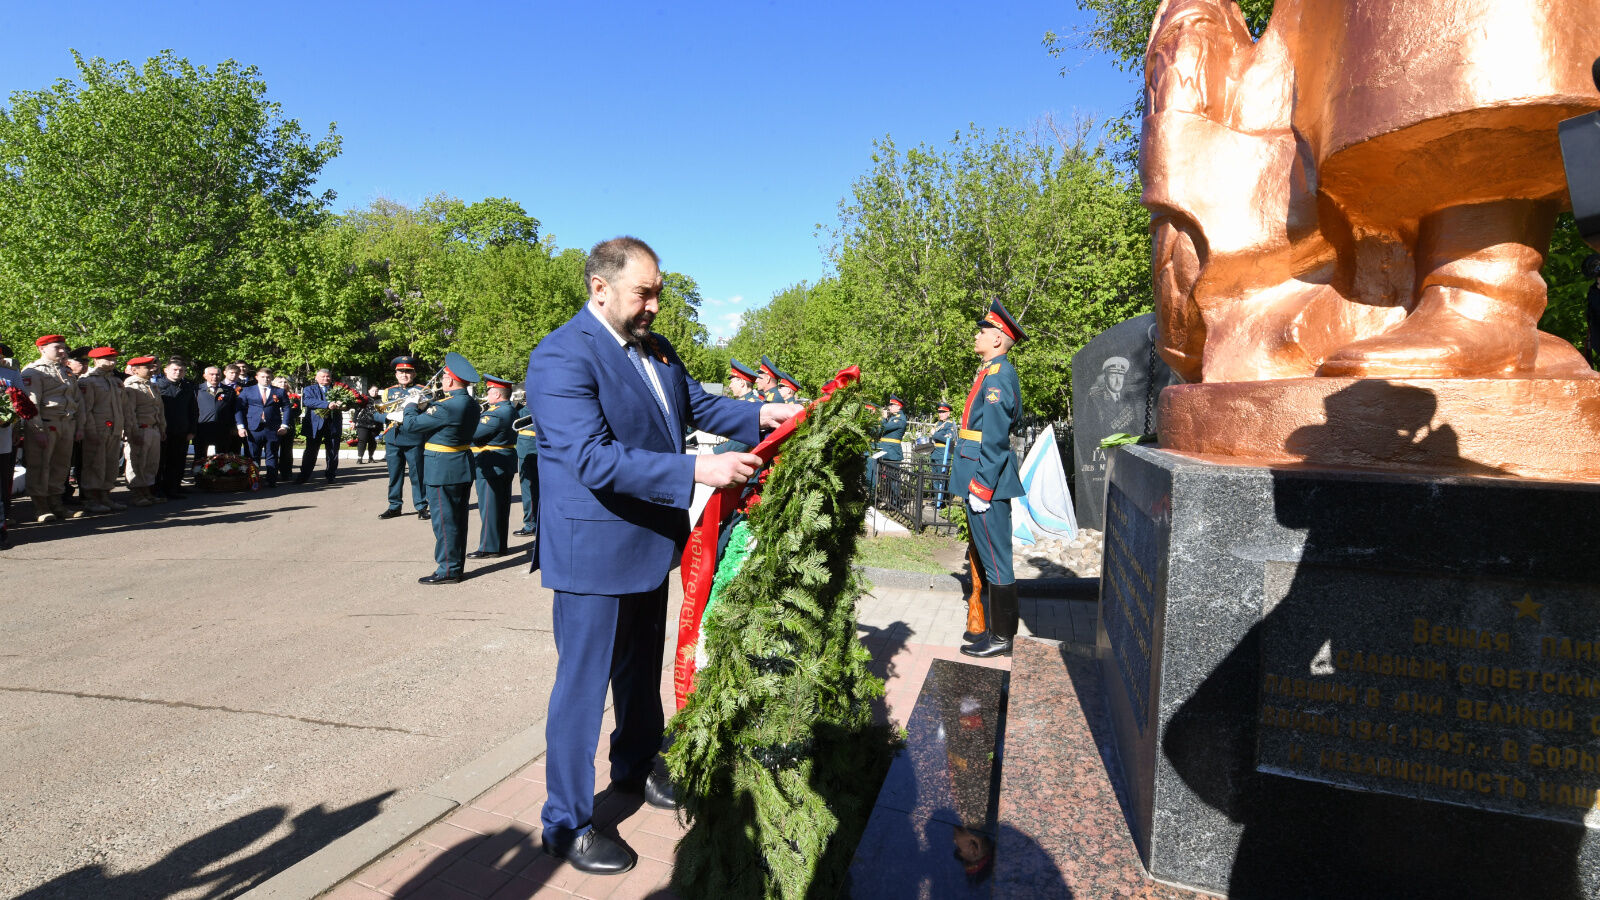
(721, 133)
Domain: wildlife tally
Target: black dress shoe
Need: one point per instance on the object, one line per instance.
(991, 646)
(658, 790)
(439, 579)
(485, 554)
(524, 532)
(972, 637)
(424, 515)
(596, 854)
(390, 514)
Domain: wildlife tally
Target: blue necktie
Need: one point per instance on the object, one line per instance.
(638, 365)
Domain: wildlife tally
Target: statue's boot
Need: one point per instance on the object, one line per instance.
(975, 621)
(1481, 296)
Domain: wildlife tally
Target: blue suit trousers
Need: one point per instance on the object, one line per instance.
(601, 640)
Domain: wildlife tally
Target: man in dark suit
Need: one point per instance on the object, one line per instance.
(613, 402)
(183, 412)
(214, 429)
(446, 428)
(260, 418)
(322, 429)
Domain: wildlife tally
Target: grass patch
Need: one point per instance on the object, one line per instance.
(907, 553)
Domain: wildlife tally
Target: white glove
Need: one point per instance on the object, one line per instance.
(977, 504)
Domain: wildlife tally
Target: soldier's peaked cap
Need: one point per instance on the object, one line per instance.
(740, 370)
(768, 369)
(457, 365)
(494, 382)
(997, 317)
(404, 362)
(788, 379)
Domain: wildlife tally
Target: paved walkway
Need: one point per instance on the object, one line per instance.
(489, 848)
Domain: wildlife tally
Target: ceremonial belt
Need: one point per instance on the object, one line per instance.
(528, 431)
(890, 441)
(444, 448)
(493, 447)
(967, 434)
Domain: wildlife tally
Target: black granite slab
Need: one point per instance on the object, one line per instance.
(1265, 758)
(1116, 379)
(932, 832)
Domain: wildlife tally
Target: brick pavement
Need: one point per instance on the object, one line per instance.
(489, 849)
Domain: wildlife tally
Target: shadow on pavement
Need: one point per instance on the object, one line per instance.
(198, 864)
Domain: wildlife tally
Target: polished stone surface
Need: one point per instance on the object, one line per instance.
(932, 831)
(1304, 568)
(1062, 831)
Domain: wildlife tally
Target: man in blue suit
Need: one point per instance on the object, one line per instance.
(322, 429)
(613, 402)
(262, 418)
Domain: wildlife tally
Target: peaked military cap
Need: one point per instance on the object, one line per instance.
(788, 379)
(768, 369)
(944, 406)
(494, 382)
(404, 362)
(738, 369)
(457, 365)
(997, 317)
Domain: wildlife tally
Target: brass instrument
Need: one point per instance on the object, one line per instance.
(394, 410)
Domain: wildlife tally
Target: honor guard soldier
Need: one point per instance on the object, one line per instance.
(944, 438)
(740, 379)
(494, 454)
(146, 429)
(52, 387)
(891, 437)
(528, 469)
(741, 382)
(985, 474)
(446, 428)
(789, 388)
(767, 381)
(105, 412)
(404, 452)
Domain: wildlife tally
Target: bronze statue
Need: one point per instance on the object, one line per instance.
(1367, 191)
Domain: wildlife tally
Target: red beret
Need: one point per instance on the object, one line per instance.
(142, 361)
(50, 339)
(102, 352)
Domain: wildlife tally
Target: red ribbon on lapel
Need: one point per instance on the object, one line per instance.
(699, 565)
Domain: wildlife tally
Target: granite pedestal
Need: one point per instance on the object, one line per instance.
(1341, 684)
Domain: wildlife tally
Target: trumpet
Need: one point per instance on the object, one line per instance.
(425, 394)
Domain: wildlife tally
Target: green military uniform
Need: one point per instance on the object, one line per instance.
(740, 371)
(494, 450)
(403, 451)
(984, 473)
(891, 437)
(528, 468)
(446, 429)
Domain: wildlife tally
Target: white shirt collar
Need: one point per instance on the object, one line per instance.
(621, 341)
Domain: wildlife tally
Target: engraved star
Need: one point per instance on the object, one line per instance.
(1527, 608)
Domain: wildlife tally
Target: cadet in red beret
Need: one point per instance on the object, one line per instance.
(105, 412)
(146, 429)
(53, 388)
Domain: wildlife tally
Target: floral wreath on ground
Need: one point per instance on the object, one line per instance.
(225, 467)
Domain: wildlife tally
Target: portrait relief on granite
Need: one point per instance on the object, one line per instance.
(1366, 192)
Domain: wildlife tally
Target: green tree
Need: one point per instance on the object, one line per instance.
(930, 236)
(138, 206)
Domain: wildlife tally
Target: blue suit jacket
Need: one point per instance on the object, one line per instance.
(258, 418)
(615, 484)
(315, 396)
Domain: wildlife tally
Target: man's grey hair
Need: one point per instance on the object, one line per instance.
(607, 259)
(327, 372)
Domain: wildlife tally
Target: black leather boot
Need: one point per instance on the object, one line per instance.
(1002, 623)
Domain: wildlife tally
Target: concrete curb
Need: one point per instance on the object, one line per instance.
(327, 868)
(1068, 588)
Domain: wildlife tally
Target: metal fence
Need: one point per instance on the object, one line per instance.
(913, 493)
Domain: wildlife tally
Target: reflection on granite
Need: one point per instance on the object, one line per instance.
(932, 832)
(1062, 832)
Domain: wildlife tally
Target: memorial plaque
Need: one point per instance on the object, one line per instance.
(1128, 598)
(1481, 693)
(1115, 381)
